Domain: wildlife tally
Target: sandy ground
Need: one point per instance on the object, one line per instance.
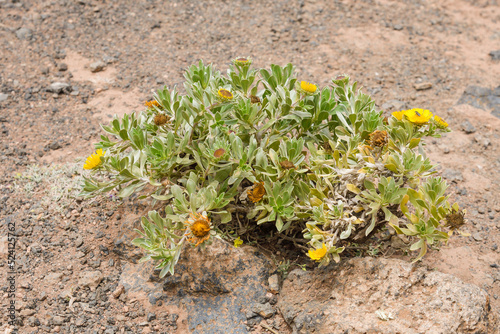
(390, 47)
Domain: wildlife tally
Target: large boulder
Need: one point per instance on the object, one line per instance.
(220, 287)
(372, 295)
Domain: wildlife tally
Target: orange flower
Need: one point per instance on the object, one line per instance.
(257, 192)
(152, 103)
(199, 228)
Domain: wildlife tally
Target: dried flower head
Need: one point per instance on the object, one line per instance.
(326, 146)
(219, 153)
(318, 254)
(285, 164)
(455, 220)
(94, 160)
(378, 138)
(418, 116)
(308, 87)
(254, 99)
(440, 123)
(160, 119)
(257, 192)
(152, 103)
(399, 114)
(224, 94)
(199, 228)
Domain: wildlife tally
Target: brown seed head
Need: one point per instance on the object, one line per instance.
(254, 99)
(285, 164)
(219, 152)
(378, 138)
(455, 220)
(326, 146)
(160, 119)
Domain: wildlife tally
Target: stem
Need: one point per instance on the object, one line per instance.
(268, 328)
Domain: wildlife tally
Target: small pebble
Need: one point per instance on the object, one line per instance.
(477, 236)
(423, 86)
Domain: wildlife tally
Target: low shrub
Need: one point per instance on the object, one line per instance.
(258, 147)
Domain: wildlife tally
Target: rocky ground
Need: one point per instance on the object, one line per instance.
(67, 66)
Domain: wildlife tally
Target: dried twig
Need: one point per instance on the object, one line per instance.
(269, 328)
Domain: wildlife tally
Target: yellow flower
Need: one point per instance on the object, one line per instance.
(418, 116)
(94, 160)
(399, 114)
(308, 87)
(225, 94)
(440, 122)
(199, 228)
(238, 242)
(318, 254)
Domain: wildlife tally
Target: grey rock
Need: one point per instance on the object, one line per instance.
(59, 87)
(27, 312)
(55, 145)
(482, 98)
(398, 27)
(90, 279)
(495, 55)
(3, 97)
(62, 67)
(347, 296)
(53, 278)
(467, 127)
(264, 310)
(97, 66)
(57, 320)
(79, 255)
(78, 241)
(423, 86)
(274, 285)
(219, 278)
(393, 105)
(151, 317)
(254, 320)
(109, 60)
(477, 236)
(123, 246)
(477, 91)
(452, 175)
(24, 34)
